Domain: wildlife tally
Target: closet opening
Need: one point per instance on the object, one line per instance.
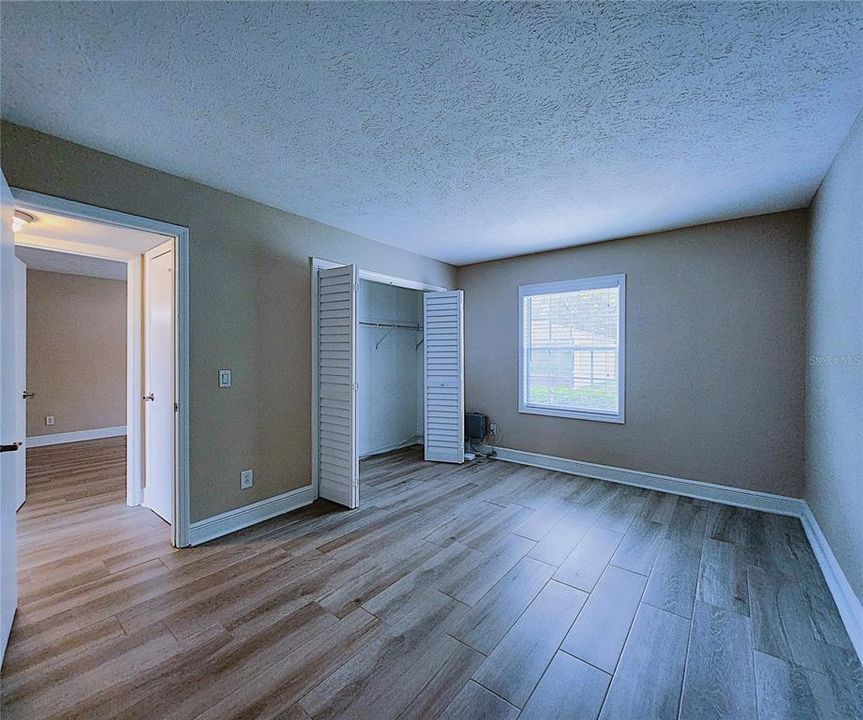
(387, 372)
(390, 368)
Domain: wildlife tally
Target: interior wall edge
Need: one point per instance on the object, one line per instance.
(834, 354)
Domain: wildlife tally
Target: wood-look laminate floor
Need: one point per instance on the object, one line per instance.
(479, 591)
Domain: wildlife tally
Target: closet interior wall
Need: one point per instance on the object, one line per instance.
(390, 367)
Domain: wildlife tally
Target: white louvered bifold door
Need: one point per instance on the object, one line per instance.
(443, 319)
(338, 461)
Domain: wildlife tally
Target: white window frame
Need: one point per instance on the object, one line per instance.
(548, 288)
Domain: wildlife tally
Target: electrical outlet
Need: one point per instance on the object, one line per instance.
(49, 419)
(247, 479)
(492, 428)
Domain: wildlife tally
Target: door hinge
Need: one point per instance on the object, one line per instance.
(356, 287)
(356, 387)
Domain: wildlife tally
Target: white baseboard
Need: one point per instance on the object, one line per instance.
(76, 436)
(777, 504)
(849, 605)
(847, 602)
(233, 520)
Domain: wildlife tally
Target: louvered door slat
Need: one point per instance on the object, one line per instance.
(338, 461)
(443, 314)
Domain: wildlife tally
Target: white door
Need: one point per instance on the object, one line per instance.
(159, 353)
(10, 441)
(338, 461)
(21, 377)
(443, 319)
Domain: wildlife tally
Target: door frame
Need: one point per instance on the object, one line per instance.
(163, 248)
(20, 314)
(34, 201)
(321, 264)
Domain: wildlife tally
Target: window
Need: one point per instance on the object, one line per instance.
(571, 348)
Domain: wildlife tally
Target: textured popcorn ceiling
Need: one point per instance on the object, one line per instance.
(460, 131)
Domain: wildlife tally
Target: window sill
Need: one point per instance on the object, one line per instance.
(617, 419)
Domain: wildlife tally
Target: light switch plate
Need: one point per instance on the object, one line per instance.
(224, 378)
(247, 479)
(49, 419)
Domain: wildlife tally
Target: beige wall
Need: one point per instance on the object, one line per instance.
(714, 352)
(76, 352)
(250, 307)
(715, 346)
(834, 406)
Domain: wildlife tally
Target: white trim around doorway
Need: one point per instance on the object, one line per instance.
(34, 201)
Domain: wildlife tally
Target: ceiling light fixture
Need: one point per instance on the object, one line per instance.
(21, 220)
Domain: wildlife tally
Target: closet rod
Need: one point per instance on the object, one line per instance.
(408, 326)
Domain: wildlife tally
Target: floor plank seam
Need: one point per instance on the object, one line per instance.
(499, 697)
(686, 670)
(247, 600)
(586, 662)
